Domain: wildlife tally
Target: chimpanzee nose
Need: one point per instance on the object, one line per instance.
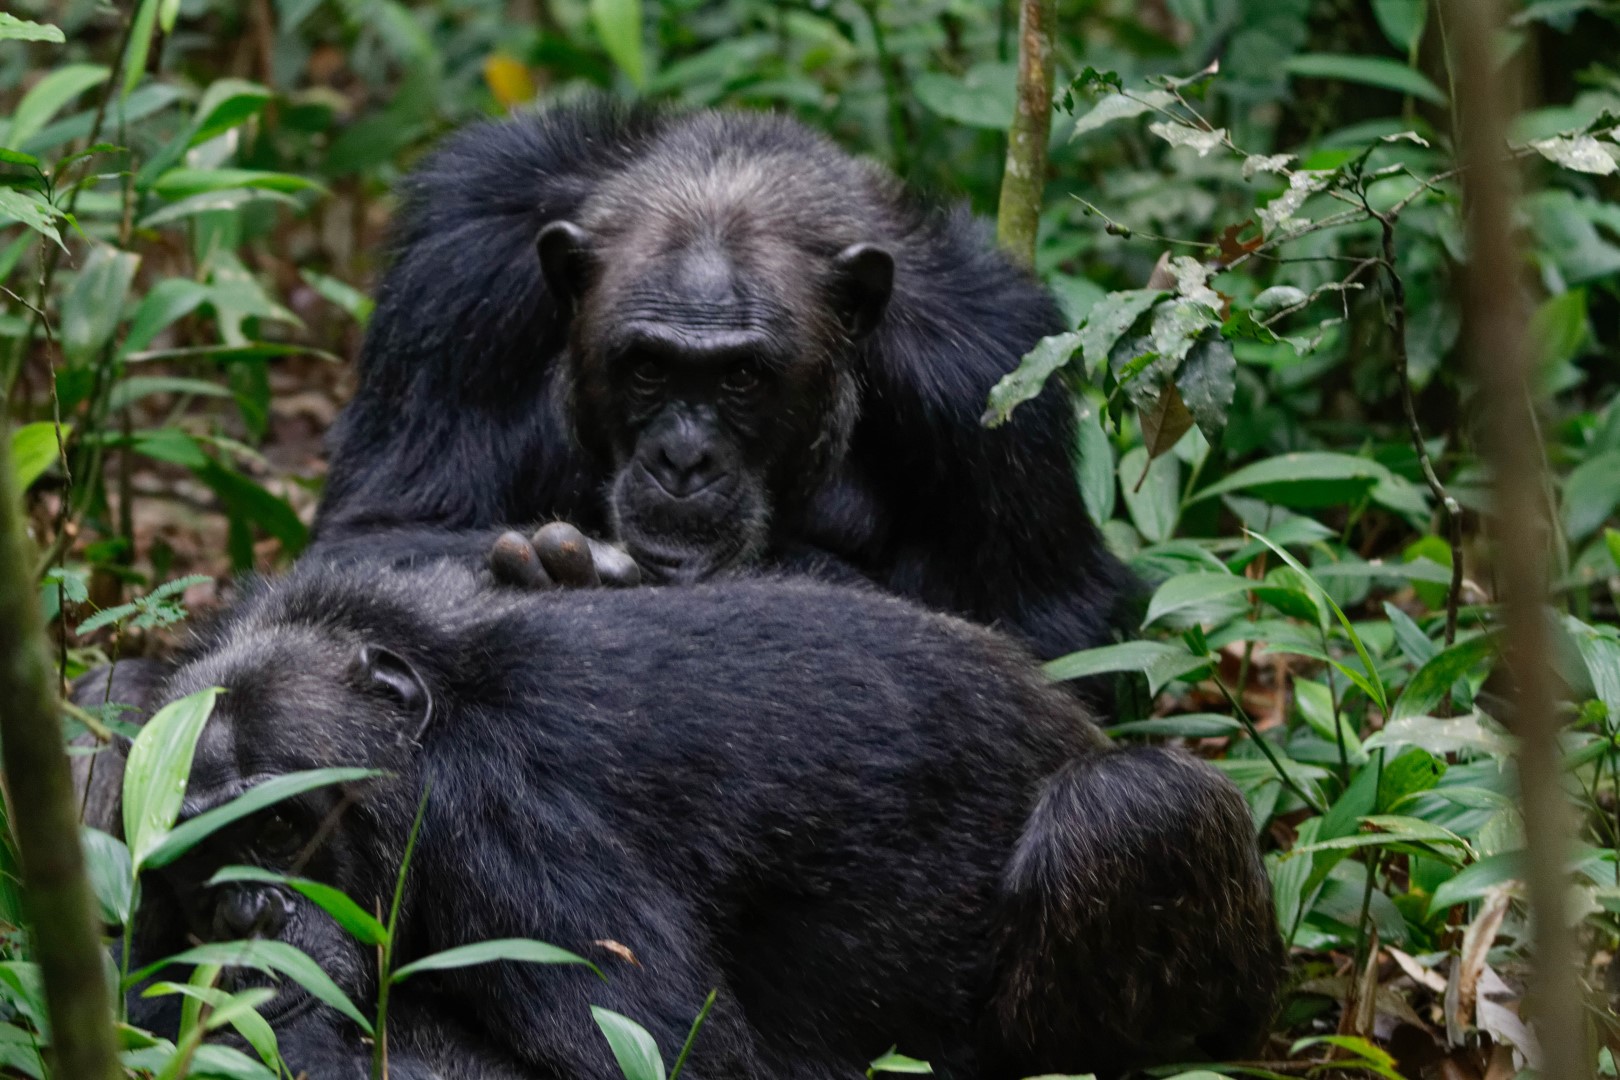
(683, 467)
(247, 913)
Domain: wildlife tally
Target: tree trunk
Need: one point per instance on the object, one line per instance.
(1024, 181)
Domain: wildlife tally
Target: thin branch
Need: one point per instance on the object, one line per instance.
(1023, 183)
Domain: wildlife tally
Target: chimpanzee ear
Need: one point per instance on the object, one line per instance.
(393, 675)
(863, 278)
(566, 256)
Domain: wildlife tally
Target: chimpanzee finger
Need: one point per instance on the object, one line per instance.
(513, 561)
(615, 566)
(565, 554)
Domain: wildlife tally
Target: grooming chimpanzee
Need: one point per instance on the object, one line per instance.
(864, 823)
(722, 340)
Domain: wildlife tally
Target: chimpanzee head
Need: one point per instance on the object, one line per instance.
(296, 697)
(715, 307)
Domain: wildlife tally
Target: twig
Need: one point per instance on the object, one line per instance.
(1023, 182)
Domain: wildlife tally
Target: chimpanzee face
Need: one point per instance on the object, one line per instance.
(295, 700)
(716, 377)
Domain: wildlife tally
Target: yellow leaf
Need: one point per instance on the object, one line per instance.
(508, 80)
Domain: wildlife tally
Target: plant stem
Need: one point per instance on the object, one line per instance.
(1023, 183)
(1494, 321)
(1265, 747)
(56, 893)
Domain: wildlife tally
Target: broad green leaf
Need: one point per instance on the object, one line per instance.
(1095, 468)
(111, 877)
(632, 1045)
(1394, 830)
(31, 210)
(361, 925)
(1315, 701)
(1305, 479)
(1120, 107)
(1367, 70)
(1408, 774)
(210, 202)
(1591, 493)
(248, 503)
(47, 97)
(1193, 590)
(1371, 1057)
(178, 183)
(156, 771)
(618, 25)
(1413, 641)
(1188, 135)
(1582, 153)
(15, 29)
(1153, 501)
(983, 97)
(1461, 734)
(249, 1024)
(1474, 882)
(1029, 377)
(1207, 380)
(1159, 661)
(225, 104)
(33, 450)
(128, 391)
(93, 305)
(520, 950)
(184, 837)
(1402, 21)
(1109, 319)
(1436, 677)
(169, 300)
(276, 957)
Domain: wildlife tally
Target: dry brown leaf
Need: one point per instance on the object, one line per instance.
(1424, 977)
(621, 951)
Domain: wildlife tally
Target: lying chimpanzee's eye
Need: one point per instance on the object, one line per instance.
(647, 375)
(278, 837)
(740, 380)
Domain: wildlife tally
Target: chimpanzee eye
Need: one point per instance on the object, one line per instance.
(741, 379)
(278, 837)
(648, 375)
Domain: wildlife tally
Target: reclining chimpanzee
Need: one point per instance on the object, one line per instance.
(863, 823)
(721, 340)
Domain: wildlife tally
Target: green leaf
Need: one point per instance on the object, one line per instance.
(1370, 682)
(275, 957)
(33, 450)
(1109, 319)
(1402, 21)
(1304, 480)
(983, 97)
(31, 210)
(128, 391)
(1393, 830)
(156, 771)
(95, 302)
(1583, 153)
(361, 925)
(1371, 1057)
(632, 1045)
(1185, 726)
(211, 202)
(111, 877)
(178, 183)
(1159, 661)
(15, 29)
(164, 303)
(1411, 773)
(226, 104)
(140, 44)
(1474, 882)
(1028, 379)
(1368, 71)
(187, 835)
(249, 1024)
(619, 27)
(520, 950)
(47, 97)
(1207, 380)
(1193, 590)
(893, 1062)
(1154, 501)
(1095, 469)
(1120, 107)
(1436, 677)
(1591, 494)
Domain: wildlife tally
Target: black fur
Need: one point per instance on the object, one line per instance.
(462, 416)
(863, 823)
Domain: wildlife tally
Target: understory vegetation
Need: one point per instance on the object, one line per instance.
(1255, 220)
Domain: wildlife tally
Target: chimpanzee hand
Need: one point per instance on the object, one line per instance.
(560, 555)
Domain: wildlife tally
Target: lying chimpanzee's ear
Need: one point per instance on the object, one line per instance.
(394, 675)
(566, 258)
(863, 279)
